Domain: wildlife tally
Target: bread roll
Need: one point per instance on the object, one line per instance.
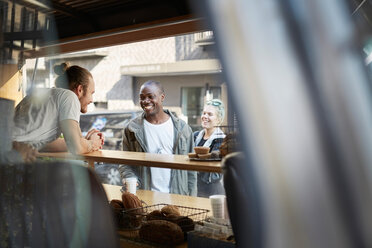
(116, 204)
(185, 223)
(193, 155)
(161, 232)
(132, 219)
(130, 201)
(155, 215)
(205, 156)
(170, 209)
(201, 150)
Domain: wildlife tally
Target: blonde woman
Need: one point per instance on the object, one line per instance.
(211, 136)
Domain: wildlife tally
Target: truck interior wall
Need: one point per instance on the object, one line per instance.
(10, 83)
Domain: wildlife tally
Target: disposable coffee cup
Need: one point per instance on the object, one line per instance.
(218, 206)
(131, 184)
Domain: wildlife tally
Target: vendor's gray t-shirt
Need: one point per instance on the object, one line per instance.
(37, 116)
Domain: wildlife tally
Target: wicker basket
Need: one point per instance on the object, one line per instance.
(133, 218)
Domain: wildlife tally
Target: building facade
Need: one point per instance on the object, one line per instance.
(186, 66)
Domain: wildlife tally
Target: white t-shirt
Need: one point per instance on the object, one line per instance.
(160, 139)
(37, 116)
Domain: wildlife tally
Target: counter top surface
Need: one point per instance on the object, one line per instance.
(141, 159)
(153, 197)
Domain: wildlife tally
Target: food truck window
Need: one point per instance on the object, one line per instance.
(187, 68)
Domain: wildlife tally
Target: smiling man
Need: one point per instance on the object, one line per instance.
(158, 131)
(43, 115)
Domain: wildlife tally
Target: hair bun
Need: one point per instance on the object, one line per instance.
(62, 68)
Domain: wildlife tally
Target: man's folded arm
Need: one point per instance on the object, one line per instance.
(74, 140)
(58, 145)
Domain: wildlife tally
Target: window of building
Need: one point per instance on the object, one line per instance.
(192, 104)
(192, 101)
(213, 93)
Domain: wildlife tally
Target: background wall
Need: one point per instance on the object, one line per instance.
(173, 84)
(10, 83)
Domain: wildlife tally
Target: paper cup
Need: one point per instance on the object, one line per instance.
(218, 206)
(131, 184)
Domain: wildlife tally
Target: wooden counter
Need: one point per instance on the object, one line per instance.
(140, 159)
(153, 197)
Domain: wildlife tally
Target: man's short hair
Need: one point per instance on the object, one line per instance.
(155, 83)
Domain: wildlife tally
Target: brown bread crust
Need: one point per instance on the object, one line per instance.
(130, 201)
(116, 204)
(170, 209)
(155, 215)
(132, 219)
(161, 232)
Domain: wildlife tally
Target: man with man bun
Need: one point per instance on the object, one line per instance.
(43, 115)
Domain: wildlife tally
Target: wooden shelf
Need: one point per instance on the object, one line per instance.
(181, 162)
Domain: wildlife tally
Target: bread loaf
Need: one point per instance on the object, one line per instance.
(170, 209)
(130, 201)
(155, 215)
(193, 155)
(205, 156)
(117, 209)
(201, 150)
(161, 232)
(116, 204)
(132, 218)
(185, 223)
